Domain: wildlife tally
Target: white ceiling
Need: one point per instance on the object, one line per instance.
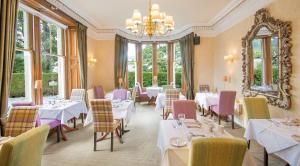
(105, 18)
(112, 13)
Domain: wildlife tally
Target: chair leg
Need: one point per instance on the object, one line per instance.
(74, 123)
(163, 113)
(82, 118)
(248, 143)
(266, 157)
(95, 141)
(112, 142)
(219, 117)
(232, 121)
(58, 133)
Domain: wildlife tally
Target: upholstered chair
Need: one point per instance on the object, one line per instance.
(22, 103)
(217, 151)
(99, 92)
(203, 88)
(20, 120)
(225, 106)
(120, 94)
(104, 121)
(77, 95)
(165, 87)
(186, 107)
(25, 149)
(256, 108)
(141, 96)
(171, 95)
(133, 96)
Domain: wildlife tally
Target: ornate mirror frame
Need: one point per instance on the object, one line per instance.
(284, 30)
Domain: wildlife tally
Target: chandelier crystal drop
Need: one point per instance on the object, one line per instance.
(156, 23)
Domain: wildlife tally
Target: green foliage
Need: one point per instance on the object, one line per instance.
(178, 79)
(147, 58)
(147, 79)
(258, 75)
(17, 88)
(131, 79)
(162, 78)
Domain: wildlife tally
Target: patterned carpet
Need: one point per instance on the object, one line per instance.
(139, 146)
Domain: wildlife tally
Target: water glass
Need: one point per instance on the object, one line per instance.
(181, 118)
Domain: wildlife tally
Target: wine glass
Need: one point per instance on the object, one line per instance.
(181, 118)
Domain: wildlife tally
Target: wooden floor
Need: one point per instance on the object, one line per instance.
(139, 146)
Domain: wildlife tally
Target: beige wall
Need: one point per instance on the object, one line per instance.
(203, 69)
(101, 72)
(230, 42)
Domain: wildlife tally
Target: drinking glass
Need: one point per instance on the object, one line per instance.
(181, 118)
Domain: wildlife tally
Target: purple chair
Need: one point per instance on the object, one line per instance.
(53, 123)
(142, 96)
(225, 106)
(187, 107)
(99, 92)
(120, 94)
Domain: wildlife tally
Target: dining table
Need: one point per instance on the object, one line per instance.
(280, 137)
(153, 91)
(161, 100)
(191, 129)
(206, 99)
(122, 110)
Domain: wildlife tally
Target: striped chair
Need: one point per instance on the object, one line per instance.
(25, 149)
(165, 87)
(217, 151)
(104, 121)
(77, 95)
(203, 88)
(20, 120)
(171, 95)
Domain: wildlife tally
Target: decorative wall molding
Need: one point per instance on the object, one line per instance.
(230, 15)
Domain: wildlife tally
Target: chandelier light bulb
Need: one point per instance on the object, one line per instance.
(155, 7)
(137, 17)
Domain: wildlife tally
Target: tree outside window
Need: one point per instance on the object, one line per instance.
(162, 64)
(131, 65)
(147, 64)
(177, 65)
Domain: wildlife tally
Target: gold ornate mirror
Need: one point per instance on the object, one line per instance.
(266, 51)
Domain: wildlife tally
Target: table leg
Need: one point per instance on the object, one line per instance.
(69, 128)
(63, 136)
(266, 157)
(123, 128)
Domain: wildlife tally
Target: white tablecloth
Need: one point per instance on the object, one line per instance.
(276, 138)
(63, 111)
(205, 100)
(172, 156)
(121, 110)
(109, 95)
(153, 91)
(160, 100)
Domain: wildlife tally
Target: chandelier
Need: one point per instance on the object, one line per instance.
(155, 24)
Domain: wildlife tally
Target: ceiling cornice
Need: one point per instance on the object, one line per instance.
(231, 14)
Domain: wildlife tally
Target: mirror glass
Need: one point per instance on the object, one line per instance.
(265, 61)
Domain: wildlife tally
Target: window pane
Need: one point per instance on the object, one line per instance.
(17, 89)
(177, 65)
(52, 63)
(147, 64)
(275, 63)
(20, 36)
(162, 64)
(258, 61)
(131, 65)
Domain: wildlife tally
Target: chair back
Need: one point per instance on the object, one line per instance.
(171, 95)
(217, 151)
(25, 149)
(139, 88)
(165, 87)
(102, 115)
(99, 92)
(226, 102)
(256, 108)
(134, 94)
(120, 94)
(203, 88)
(17, 104)
(20, 120)
(187, 107)
(77, 95)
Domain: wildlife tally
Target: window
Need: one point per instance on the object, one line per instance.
(147, 64)
(258, 61)
(52, 61)
(131, 65)
(21, 84)
(177, 65)
(162, 64)
(275, 60)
